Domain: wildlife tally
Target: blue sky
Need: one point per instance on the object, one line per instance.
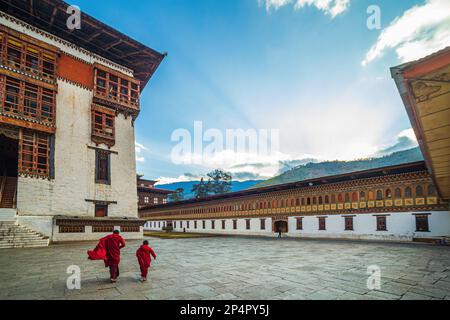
(309, 68)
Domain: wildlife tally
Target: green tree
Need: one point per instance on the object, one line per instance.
(177, 196)
(201, 190)
(220, 181)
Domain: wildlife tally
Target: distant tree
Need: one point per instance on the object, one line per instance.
(220, 182)
(177, 196)
(201, 190)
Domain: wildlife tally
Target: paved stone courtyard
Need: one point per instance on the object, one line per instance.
(234, 268)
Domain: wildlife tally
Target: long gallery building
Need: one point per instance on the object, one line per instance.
(68, 103)
(401, 203)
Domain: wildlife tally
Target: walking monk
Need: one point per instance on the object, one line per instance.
(144, 259)
(113, 244)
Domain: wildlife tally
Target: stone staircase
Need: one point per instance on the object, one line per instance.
(13, 235)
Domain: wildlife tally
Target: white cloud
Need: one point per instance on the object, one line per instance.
(332, 8)
(139, 149)
(408, 133)
(419, 32)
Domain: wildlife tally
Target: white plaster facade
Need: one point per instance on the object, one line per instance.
(39, 200)
(400, 227)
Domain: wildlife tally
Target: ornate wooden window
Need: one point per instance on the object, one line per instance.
(371, 196)
(388, 194)
(322, 224)
(381, 223)
(263, 224)
(408, 192)
(431, 190)
(379, 195)
(320, 200)
(422, 224)
(333, 198)
(28, 101)
(103, 229)
(103, 125)
(340, 198)
(327, 199)
(31, 59)
(347, 197)
(102, 167)
(362, 196)
(116, 87)
(348, 223)
(419, 191)
(398, 193)
(299, 223)
(71, 229)
(34, 154)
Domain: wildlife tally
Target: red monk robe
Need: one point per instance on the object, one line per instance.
(113, 244)
(108, 249)
(99, 253)
(144, 259)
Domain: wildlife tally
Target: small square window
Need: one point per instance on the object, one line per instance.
(381, 223)
(422, 224)
(322, 224)
(299, 223)
(348, 223)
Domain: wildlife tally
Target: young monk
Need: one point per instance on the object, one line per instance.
(113, 244)
(144, 259)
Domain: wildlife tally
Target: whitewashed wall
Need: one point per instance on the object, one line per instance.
(400, 227)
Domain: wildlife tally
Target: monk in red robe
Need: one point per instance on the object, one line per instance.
(143, 255)
(113, 244)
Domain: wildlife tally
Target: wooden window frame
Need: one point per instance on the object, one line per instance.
(100, 206)
(422, 223)
(381, 223)
(262, 224)
(322, 223)
(113, 89)
(349, 223)
(103, 125)
(299, 224)
(34, 154)
(102, 176)
(18, 96)
(46, 61)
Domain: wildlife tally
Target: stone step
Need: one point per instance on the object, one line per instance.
(20, 246)
(30, 241)
(20, 237)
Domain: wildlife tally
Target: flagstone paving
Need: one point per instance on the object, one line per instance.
(234, 268)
